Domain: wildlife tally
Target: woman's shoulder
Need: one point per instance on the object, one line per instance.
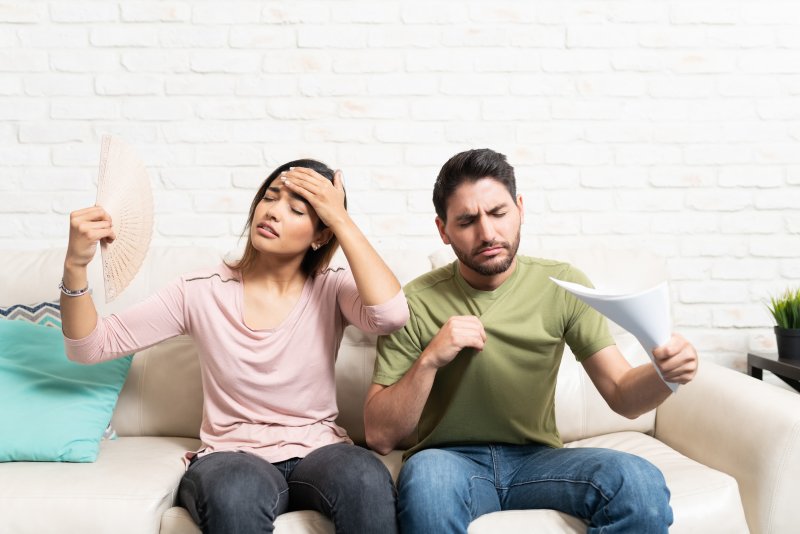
(333, 277)
(220, 273)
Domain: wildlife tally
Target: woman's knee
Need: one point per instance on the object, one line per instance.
(235, 482)
(348, 467)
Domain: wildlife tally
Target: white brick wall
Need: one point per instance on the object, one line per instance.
(668, 125)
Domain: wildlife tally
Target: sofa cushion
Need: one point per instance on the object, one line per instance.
(511, 521)
(52, 409)
(177, 520)
(703, 499)
(581, 412)
(163, 395)
(126, 490)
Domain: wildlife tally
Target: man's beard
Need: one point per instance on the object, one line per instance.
(490, 267)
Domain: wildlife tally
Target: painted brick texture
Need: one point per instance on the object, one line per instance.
(672, 126)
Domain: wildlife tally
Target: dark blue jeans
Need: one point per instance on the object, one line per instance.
(443, 490)
(240, 493)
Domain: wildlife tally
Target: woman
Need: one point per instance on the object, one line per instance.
(267, 329)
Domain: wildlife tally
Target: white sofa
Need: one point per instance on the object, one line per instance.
(729, 445)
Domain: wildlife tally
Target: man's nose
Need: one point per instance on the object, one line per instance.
(486, 229)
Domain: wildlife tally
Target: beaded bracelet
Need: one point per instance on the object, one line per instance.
(72, 293)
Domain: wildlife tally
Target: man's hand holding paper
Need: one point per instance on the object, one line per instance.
(645, 314)
(676, 360)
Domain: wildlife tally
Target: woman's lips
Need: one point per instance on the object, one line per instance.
(267, 231)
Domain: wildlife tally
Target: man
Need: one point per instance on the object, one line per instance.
(474, 372)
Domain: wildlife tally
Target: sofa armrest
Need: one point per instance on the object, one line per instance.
(746, 428)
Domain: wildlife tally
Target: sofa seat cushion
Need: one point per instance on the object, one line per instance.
(126, 490)
(539, 521)
(177, 520)
(703, 499)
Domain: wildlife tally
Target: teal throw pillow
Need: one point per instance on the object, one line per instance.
(52, 409)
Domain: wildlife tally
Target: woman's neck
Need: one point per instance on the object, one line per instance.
(281, 277)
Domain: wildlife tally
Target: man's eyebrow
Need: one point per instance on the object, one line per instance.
(295, 196)
(472, 215)
(466, 216)
(501, 206)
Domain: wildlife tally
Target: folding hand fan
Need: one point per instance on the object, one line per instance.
(123, 189)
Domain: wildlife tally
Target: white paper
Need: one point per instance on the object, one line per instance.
(644, 314)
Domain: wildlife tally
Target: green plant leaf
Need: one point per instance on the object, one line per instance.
(785, 309)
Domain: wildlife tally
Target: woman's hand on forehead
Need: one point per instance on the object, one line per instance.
(326, 197)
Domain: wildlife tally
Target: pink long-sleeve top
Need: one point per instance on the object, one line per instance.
(269, 392)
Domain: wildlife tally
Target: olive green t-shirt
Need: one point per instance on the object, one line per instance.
(506, 392)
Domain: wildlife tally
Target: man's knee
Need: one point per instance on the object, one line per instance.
(641, 476)
(433, 477)
(642, 484)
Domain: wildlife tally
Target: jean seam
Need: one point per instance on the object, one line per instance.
(277, 501)
(472, 512)
(496, 481)
(584, 482)
(200, 518)
(589, 482)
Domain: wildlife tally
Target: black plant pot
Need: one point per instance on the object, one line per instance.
(788, 340)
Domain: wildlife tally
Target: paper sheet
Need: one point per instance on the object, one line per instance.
(644, 314)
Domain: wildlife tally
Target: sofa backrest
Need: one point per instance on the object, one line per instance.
(163, 395)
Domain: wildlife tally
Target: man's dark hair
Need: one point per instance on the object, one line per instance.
(471, 166)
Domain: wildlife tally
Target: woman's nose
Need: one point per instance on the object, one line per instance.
(271, 213)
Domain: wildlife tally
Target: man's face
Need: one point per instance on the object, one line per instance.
(483, 226)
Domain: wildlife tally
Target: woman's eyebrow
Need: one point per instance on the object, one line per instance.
(277, 190)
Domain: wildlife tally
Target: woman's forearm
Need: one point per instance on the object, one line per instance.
(78, 314)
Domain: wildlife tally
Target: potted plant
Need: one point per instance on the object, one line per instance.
(785, 309)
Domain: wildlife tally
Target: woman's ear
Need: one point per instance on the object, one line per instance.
(321, 238)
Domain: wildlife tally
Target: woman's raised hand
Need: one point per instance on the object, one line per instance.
(86, 227)
(325, 197)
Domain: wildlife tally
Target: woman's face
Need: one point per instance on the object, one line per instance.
(283, 223)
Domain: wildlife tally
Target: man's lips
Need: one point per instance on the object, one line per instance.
(267, 231)
(491, 251)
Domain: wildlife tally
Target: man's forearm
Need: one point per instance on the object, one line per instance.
(640, 391)
(393, 412)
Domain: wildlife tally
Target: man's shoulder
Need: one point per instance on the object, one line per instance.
(544, 266)
(430, 281)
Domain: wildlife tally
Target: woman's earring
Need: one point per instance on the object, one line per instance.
(315, 246)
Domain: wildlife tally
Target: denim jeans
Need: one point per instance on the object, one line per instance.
(443, 490)
(240, 493)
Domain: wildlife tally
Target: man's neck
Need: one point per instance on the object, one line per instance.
(483, 282)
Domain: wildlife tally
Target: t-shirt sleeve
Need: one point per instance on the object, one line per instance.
(382, 318)
(158, 317)
(396, 353)
(586, 329)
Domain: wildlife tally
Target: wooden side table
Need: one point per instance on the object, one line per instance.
(786, 370)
